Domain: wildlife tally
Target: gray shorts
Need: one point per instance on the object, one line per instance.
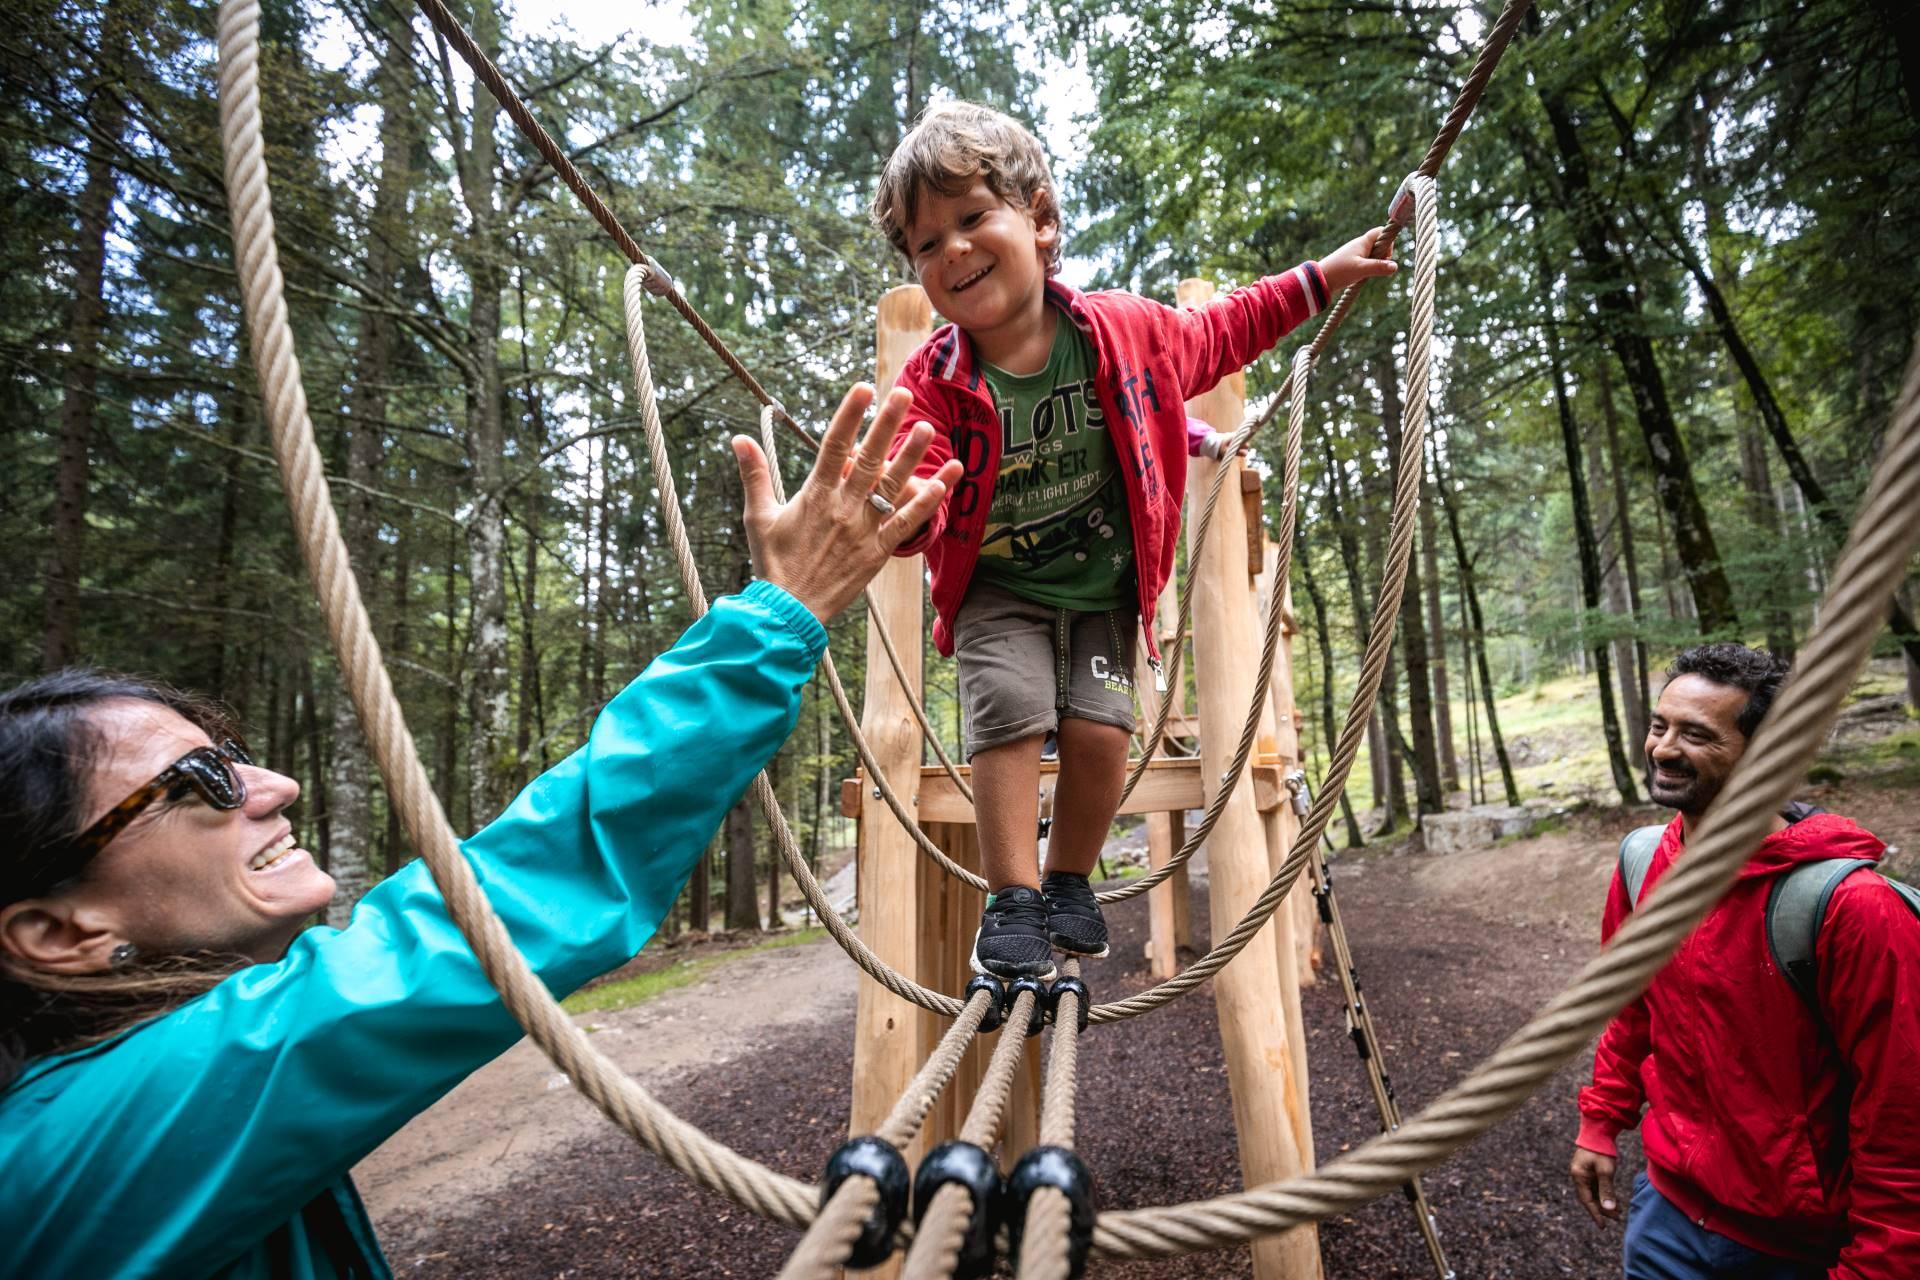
(1026, 666)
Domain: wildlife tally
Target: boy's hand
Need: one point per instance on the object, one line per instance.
(1353, 262)
(825, 543)
(1593, 1183)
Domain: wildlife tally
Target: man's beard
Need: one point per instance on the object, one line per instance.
(1689, 794)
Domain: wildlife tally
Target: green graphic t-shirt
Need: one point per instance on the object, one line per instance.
(1058, 531)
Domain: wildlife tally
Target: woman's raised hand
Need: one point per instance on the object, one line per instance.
(827, 542)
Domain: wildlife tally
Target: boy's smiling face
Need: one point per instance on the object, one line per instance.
(983, 263)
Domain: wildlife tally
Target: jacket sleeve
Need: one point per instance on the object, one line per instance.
(927, 408)
(1228, 334)
(1869, 990)
(180, 1145)
(1613, 1101)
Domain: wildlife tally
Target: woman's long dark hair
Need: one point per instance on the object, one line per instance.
(49, 746)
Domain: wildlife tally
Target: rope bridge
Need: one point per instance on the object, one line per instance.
(962, 1216)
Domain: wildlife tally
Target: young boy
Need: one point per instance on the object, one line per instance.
(1067, 412)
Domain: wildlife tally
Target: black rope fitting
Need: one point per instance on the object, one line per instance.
(1323, 895)
(880, 1160)
(1359, 1034)
(996, 1007)
(1038, 1018)
(1066, 1173)
(1069, 986)
(974, 1169)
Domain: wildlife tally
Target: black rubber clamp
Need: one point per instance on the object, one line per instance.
(880, 1160)
(974, 1169)
(996, 1008)
(1065, 986)
(1323, 898)
(1066, 1172)
(1038, 1018)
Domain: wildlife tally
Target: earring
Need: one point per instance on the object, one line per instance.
(123, 955)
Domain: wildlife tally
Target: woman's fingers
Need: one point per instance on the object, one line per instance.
(893, 482)
(921, 498)
(879, 438)
(835, 446)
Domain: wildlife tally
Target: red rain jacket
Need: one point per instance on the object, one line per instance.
(1150, 359)
(1795, 1135)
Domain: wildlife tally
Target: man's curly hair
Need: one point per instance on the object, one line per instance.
(1757, 671)
(953, 143)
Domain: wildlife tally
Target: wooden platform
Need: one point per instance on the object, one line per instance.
(1170, 786)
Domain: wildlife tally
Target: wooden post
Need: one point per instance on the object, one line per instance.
(1269, 1092)
(1281, 722)
(892, 1036)
(1169, 907)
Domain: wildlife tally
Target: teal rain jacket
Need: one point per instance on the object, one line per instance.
(216, 1140)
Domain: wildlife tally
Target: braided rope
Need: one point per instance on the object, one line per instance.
(936, 1244)
(629, 1105)
(1885, 534)
(1044, 1248)
(829, 1241)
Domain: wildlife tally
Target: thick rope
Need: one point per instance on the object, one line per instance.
(829, 1241)
(936, 1244)
(1044, 1246)
(525, 996)
(1885, 535)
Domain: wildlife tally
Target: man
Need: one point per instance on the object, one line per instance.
(1782, 1133)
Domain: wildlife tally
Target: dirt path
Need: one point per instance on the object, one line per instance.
(1454, 954)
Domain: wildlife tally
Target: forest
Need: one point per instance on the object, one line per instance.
(1677, 295)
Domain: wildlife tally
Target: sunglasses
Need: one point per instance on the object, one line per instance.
(205, 771)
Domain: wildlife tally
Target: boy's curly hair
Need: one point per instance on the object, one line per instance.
(951, 144)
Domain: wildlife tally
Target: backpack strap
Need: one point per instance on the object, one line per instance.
(1796, 905)
(1636, 858)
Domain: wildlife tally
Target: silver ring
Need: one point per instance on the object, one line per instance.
(879, 503)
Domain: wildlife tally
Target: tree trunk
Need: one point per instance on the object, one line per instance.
(1619, 313)
(1437, 636)
(1390, 782)
(700, 894)
(742, 910)
(1584, 537)
(86, 322)
(1633, 675)
(1304, 558)
(481, 252)
(1413, 629)
(1479, 632)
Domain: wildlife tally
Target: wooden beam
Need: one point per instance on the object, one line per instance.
(1169, 786)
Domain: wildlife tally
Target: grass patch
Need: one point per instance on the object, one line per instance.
(640, 988)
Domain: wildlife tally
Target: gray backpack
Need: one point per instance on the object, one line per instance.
(1796, 903)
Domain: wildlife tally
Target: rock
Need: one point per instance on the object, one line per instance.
(1474, 828)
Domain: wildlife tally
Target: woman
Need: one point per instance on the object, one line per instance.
(187, 1075)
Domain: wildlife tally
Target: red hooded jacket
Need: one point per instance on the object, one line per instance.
(1150, 359)
(1793, 1134)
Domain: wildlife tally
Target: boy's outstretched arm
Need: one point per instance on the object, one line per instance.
(1230, 333)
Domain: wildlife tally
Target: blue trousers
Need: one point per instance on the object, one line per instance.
(1664, 1244)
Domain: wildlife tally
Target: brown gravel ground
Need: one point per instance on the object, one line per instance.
(1447, 984)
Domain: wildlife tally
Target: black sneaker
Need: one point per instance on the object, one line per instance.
(1074, 922)
(1012, 942)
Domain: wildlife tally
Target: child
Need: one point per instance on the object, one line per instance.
(1067, 412)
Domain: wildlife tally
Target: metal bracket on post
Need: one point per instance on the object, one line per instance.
(1296, 781)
